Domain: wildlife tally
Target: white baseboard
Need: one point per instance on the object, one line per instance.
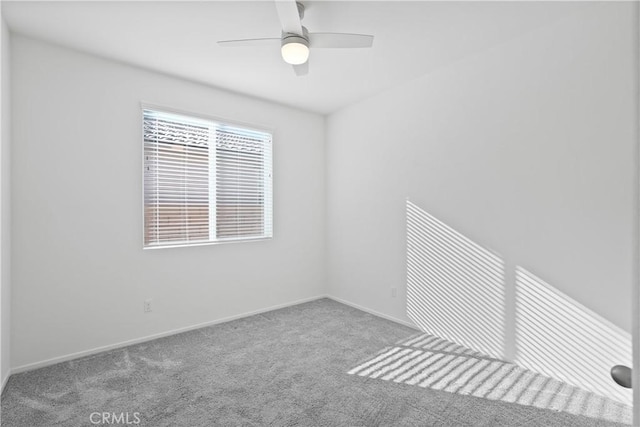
(375, 313)
(96, 350)
(84, 353)
(4, 381)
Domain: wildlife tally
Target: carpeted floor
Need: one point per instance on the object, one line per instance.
(315, 364)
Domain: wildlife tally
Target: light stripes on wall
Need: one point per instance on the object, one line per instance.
(558, 336)
(455, 287)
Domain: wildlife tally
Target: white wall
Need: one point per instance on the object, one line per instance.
(5, 207)
(527, 150)
(79, 272)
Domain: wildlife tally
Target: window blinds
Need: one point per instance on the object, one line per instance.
(204, 181)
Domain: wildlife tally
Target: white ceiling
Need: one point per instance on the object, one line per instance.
(179, 38)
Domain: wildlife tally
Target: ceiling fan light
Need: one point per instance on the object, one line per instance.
(295, 50)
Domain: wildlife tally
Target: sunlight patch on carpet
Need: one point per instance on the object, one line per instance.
(430, 362)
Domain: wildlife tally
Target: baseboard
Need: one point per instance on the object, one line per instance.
(96, 350)
(4, 382)
(375, 313)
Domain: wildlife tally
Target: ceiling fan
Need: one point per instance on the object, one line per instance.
(295, 40)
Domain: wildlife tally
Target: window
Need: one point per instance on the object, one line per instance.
(204, 181)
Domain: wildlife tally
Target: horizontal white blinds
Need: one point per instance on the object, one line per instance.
(204, 181)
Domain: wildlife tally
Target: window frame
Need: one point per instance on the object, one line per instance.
(219, 120)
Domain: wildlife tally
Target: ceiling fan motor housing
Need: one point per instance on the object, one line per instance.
(296, 38)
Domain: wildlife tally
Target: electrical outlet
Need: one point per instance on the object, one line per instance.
(147, 306)
(393, 292)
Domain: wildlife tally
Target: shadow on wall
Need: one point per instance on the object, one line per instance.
(428, 361)
(456, 290)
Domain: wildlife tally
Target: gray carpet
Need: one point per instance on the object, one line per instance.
(314, 364)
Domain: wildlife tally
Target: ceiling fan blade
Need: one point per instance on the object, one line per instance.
(302, 69)
(289, 16)
(339, 40)
(250, 42)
